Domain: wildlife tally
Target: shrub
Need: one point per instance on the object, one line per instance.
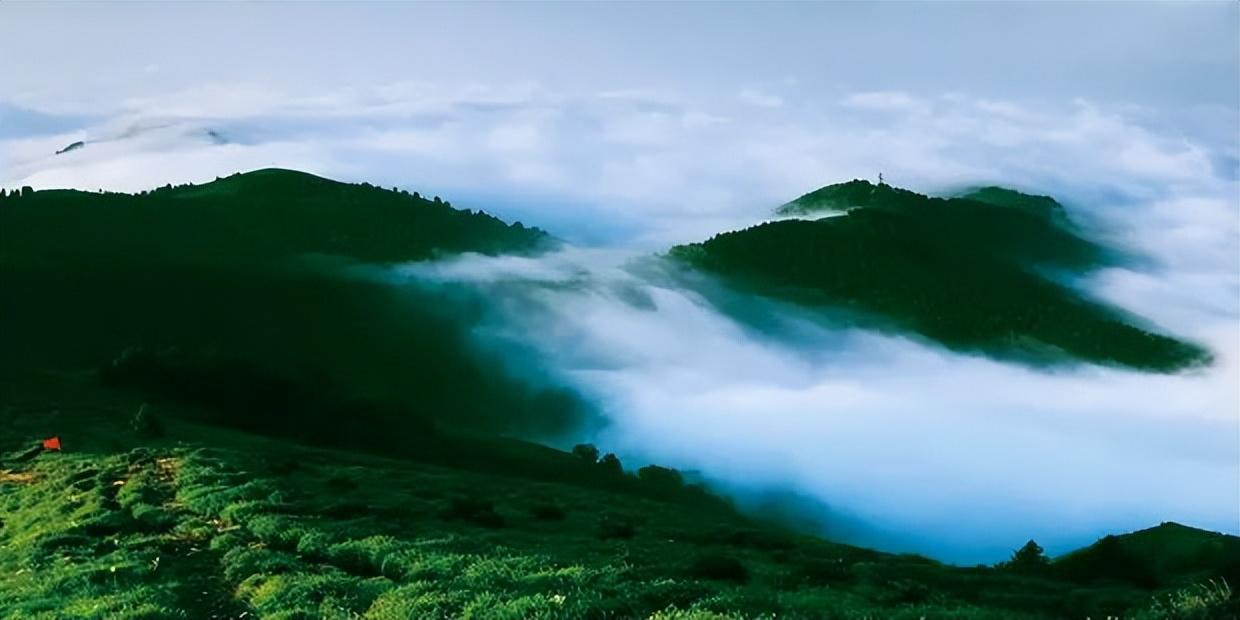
(474, 510)
(341, 484)
(547, 511)
(314, 545)
(369, 556)
(1028, 559)
(146, 424)
(610, 527)
(661, 478)
(718, 567)
(586, 452)
(821, 572)
(611, 465)
(1204, 601)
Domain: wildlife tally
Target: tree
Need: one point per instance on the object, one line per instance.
(662, 478)
(611, 464)
(1028, 559)
(586, 452)
(145, 424)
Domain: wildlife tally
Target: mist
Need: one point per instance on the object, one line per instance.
(897, 443)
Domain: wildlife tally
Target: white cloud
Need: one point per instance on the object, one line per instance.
(755, 97)
(885, 101)
(964, 457)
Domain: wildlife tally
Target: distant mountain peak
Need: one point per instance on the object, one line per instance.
(1033, 204)
(72, 147)
(835, 197)
(971, 272)
(858, 193)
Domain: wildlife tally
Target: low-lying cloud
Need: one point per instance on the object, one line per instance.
(956, 456)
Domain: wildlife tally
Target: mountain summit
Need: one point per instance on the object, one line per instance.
(246, 219)
(982, 272)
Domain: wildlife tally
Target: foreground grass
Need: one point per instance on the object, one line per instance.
(117, 526)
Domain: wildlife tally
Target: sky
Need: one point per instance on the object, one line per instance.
(624, 128)
(602, 121)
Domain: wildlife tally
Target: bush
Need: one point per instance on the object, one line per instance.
(547, 511)
(586, 452)
(146, 424)
(611, 465)
(821, 572)
(661, 478)
(718, 567)
(1029, 559)
(474, 510)
(1211, 600)
(610, 527)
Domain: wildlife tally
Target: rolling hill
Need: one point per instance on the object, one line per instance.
(151, 511)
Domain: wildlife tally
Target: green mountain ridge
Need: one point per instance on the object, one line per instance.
(978, 273)
(274, 270)
(858, 193)
(245, 220)
(1155, 556)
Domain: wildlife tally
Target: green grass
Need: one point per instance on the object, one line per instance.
(207, 520)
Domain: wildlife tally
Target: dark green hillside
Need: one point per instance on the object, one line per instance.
(149, 514)
(244, 220)
(219, 271)
(968, 273)
(1041, 206)
(832, 198)
(1166, 554)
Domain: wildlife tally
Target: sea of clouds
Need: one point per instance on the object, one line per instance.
(884, 440)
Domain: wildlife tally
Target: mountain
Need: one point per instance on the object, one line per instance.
(1168, 554)
(271, 279)
(984, 272)
(1039, 206)
(245, 220)
(832, 198)
(840, 197)
(72, 147)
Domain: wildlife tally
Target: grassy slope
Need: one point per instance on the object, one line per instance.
(1155, 555)
(208, 522)
(966, 272)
